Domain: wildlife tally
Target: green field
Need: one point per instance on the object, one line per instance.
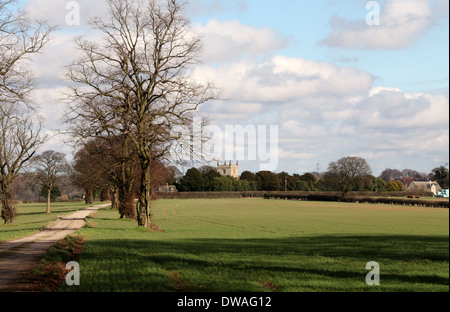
(267, 245)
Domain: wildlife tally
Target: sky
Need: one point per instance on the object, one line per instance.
(337, 78)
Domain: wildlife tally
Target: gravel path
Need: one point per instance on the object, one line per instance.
(17, 257)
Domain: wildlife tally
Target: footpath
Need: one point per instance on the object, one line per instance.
(17, 257)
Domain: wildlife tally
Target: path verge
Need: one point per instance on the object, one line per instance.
(18, 256)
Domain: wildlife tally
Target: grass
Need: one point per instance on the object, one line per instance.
(31, 218)
(255, 245)
(50, 272)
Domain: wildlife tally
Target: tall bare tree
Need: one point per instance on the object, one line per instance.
(50, 167)
(20, 137)
(20, 130)
(135, 82)
(19, 39)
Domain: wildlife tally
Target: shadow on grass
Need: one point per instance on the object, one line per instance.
(338, 259)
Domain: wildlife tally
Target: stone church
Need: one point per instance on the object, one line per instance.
(228, 169)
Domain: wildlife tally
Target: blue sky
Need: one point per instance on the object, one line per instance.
(334, 85)
(307, 23)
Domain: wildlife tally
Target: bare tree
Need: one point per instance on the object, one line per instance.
(391, 174)
(109, 163)
(20, 137)
(20, 130)
(135, 82)
(51, 166)
(348, 171)
(19, 39)
(88, 170)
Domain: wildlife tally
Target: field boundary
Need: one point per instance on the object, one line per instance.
(263, 194)
(363, 200)
(387, 198)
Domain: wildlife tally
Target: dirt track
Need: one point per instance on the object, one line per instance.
(17, 257)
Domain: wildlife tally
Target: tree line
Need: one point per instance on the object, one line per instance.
(94, 174)
(127, 91)
(345, 175)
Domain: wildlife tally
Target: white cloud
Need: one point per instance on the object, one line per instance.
(50, 66)
(326, 112)
(402, 24)
(56, 12)
(386, 122)
(398, 110)
(231, 40)
(379, 89)
(281, 79)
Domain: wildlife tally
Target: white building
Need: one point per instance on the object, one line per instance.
(427, 186)
(228, 169)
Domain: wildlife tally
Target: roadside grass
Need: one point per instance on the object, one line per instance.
(50, 272)
(254, 245)
(31, 218)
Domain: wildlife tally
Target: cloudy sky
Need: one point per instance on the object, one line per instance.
(334, 80)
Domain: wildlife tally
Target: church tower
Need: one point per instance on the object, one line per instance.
(228, 169)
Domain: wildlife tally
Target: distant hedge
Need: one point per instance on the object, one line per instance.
(263, 194)
(392, 198)
(209, 195)
(359, 199)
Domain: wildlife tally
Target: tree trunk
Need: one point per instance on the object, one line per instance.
(114, 198)
(8, 208)
(105, 195)
(143, 207)
(49, 195)
(126, 202)
(89, 196)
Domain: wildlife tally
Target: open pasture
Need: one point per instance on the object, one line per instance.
(267, 245)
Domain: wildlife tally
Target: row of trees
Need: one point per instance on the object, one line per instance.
(345, 175)
(131, 88)
(207, 179)
(113, 169)
(95, 173)
(127, 91)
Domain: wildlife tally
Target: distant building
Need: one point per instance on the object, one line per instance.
(427, 186)
(443, 193)
(228, 170)
(167, 189)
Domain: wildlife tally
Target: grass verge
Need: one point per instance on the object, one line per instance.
(50, 273)
(31, 218)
